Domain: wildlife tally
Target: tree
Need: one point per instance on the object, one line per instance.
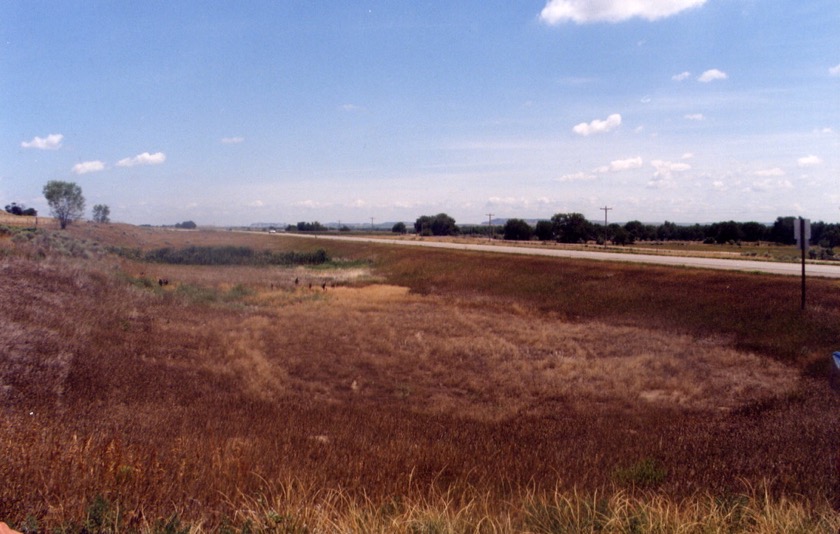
(186, 225)
(782, 230)
(101, 213)
(621, 236)
(399, 228)
(440, 224)
(65, 200)
(517, 230)
(754, 231)
(544, 230)
(637, 230)
(571, 228)
(725, 232)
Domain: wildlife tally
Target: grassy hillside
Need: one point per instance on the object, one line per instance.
(402, 390)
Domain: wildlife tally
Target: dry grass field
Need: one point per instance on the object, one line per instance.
(396, 390)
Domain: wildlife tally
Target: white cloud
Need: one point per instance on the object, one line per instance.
(688, 155)
(50, 142)
(768, 184)
(695, 117)
(351, 107)
(257, 204)
(621, 165)
(576, 177)
(143, 159)
(586, 11)
(598, 126)
(88, 166)
(775, 171)
(681, 76)
(712, 75)
(809, 161)
(835, 71)
(310, 204)
(232, 140)
(665, 169)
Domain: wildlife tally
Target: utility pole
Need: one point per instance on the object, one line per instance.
(605, 209)
(371, 223)
(490, 224)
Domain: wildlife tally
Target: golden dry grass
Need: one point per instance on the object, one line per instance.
(233, 395)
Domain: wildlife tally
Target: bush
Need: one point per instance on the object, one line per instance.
(646, 473)
(232, 255)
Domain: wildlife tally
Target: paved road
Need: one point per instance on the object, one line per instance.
(790, 269)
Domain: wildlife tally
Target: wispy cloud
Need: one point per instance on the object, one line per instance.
(621, 165)
(809, 161)
(143, 159)
(835, 70)
(695, 117)
(770, 184)
(664, 170)
(50, 142)
(232, 140)
(587, 11)
(576, 177)
(88, 166)
(712, 75)
(681, 76)
(598, 126)
(775, 171)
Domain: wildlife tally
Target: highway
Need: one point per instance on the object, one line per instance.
(789, 269)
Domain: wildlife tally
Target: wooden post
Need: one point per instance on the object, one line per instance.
(803, 244)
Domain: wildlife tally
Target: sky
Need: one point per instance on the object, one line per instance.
(231, 113)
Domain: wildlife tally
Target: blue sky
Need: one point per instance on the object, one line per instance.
(283, 111)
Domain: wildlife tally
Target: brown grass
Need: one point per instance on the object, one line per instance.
(457, 386)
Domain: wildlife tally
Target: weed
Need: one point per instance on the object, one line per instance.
(646, 473)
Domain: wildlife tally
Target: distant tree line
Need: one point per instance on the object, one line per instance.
(575, 228)
(307, 227)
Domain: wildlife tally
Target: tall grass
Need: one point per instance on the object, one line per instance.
(468, 404)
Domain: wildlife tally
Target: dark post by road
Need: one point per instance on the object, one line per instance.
(803, 244)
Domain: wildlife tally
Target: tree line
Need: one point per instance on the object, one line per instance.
(575, 228)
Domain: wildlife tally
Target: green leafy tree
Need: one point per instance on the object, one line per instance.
(101, 213)
(572, 228)
(186, 225)
(724, 232)
(754, 231)
(620, 235)
(440, 224)
(399, 228)
(638, 231)
(517, 230)
(782, 230)
(544, 230)
(65, 200)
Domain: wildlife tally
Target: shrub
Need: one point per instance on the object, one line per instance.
(645, 473)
